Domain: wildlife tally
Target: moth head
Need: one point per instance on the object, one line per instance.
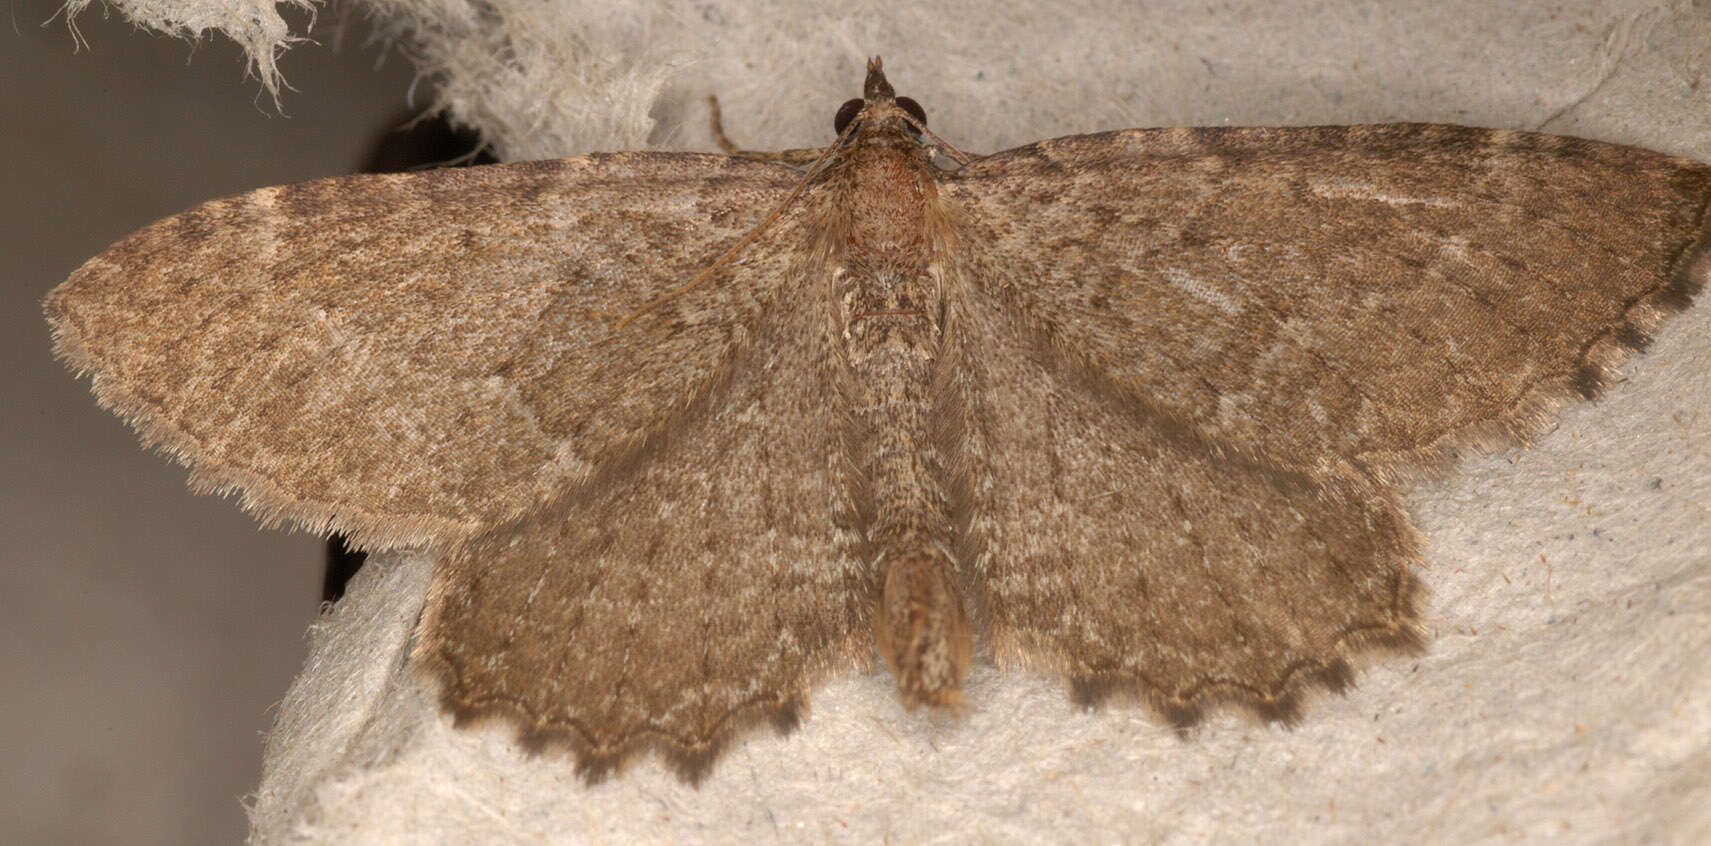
(880, 104)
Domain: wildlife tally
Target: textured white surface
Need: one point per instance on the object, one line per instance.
(1565, 693)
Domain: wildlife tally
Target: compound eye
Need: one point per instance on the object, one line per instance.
(846, 113)
(914, 109)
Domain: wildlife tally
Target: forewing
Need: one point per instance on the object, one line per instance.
(1374, 294)
(1119, 549)
(678, 598)
(413, 357)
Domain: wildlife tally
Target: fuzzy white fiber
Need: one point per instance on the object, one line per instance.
(1566, 694)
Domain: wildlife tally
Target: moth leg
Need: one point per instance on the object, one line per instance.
(801, 157)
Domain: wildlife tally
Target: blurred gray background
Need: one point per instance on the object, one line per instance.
(143, 653)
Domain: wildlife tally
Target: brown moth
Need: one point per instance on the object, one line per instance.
(694, 432)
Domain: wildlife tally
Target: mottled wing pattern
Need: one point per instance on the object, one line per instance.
(1196, 360)
(413, 357)
(1181, 373)
(681, 595)
(1366, 295)
(1117, 548)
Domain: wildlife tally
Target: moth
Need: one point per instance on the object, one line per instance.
(691, 433)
